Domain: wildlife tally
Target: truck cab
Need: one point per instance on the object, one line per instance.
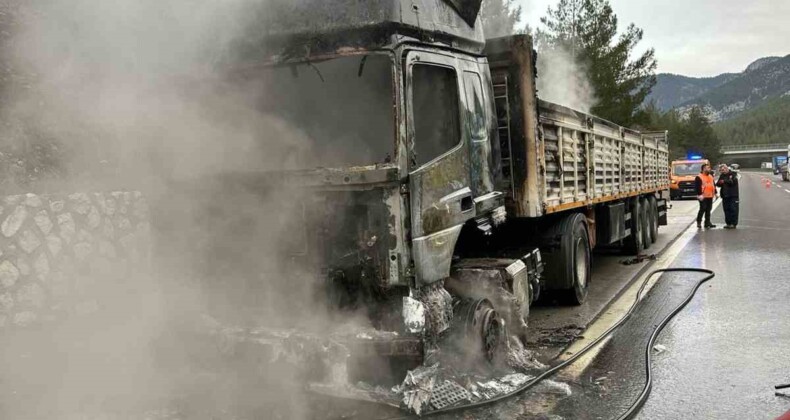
(683, 173)
(778, 162)
(384, 113)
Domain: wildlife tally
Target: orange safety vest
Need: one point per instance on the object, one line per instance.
(708, 186)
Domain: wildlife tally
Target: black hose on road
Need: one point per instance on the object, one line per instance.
(640, 401)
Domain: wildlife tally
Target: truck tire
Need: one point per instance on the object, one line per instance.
(653, 218)
(785, 176)
(633, 244)
(647, 233)
(568, 268)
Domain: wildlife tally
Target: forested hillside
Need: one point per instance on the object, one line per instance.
(769, 123)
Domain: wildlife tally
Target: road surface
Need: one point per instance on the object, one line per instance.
(732, 345)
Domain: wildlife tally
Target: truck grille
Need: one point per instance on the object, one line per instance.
(351, 232)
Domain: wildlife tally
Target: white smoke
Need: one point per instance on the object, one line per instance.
(563, 80)
(135, 84)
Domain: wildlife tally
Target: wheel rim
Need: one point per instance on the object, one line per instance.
(581, 263)
(481, 322)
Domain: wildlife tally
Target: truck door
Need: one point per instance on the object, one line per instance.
(479, 117)
(440, 191)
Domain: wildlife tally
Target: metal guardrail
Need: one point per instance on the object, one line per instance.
(755, 148)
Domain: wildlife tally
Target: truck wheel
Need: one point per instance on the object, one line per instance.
(653, 218)
(786, 176)
(633, 244)
(644, 209)
(569, 266)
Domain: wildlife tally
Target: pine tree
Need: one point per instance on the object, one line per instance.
(588, 30)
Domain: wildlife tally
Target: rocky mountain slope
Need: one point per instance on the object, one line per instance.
(727, 95)
(673, 90)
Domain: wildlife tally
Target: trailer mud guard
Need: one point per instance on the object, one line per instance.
(662, 212)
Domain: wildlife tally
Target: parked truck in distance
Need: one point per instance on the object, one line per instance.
(683, 173)
(777, 163)
(461, 197)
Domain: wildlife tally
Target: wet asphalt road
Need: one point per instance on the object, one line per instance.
(728, 348)
(732, 344)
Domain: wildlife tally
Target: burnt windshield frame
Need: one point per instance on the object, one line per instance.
(437, 59)
(361, 66)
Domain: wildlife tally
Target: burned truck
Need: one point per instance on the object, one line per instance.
(444, 197)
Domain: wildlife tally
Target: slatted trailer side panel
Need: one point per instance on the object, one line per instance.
(588, 160)
(656, 158)
(555, 158)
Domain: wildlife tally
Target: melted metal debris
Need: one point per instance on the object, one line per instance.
(449, 394)
(425, 389)
(521, 359)
(418, 387)
(414, 315)
(504, 385)
(433, 387)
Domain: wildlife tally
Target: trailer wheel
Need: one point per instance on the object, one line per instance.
(644, 211)
(634, 244)
(568, 268)
(653, 203)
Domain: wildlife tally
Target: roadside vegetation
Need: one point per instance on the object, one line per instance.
(690, 134)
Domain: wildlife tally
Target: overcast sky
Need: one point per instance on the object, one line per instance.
(700, 37)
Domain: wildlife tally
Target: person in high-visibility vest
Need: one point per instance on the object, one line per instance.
(706, 193)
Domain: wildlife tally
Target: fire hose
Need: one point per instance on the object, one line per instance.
(642, 398)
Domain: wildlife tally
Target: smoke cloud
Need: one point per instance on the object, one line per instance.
(562, 79)
(138, 96)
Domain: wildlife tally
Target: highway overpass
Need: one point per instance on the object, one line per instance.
(753, 155)
(755, 151)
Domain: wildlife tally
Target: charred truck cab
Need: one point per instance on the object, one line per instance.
(399, 96)
(439, 182)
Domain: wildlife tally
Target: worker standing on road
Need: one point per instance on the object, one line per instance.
(706, 192)
(728, 182)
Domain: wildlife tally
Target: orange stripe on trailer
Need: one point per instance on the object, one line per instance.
(589, 203)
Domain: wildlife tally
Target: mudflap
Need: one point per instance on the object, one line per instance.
(662, 212)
